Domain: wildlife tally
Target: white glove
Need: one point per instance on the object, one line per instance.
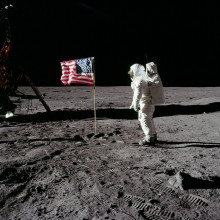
(136, 109)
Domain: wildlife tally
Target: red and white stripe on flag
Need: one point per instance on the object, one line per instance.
(77, 71)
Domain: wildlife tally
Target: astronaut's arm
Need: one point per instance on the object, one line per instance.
(132, 87)
(137, 96)
(131, 106)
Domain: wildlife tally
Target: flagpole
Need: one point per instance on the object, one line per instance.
(94, 92)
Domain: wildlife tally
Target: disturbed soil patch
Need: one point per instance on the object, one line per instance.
(62, 169)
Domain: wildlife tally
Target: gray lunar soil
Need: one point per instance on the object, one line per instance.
(56, 166)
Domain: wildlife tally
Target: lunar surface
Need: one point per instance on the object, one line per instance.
(64, 164)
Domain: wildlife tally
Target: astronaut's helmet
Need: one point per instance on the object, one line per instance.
(137, 69)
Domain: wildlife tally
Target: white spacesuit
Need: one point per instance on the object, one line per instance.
(147, 91)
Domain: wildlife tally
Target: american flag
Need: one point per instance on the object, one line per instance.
(77, 71)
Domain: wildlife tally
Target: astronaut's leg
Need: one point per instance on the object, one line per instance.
(139, 116)
(147, 124)
(153, 134)
(144, 125)
(150, 121)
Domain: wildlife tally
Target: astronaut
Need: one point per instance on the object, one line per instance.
(147, 92)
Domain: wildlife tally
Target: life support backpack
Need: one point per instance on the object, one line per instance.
(155, 84)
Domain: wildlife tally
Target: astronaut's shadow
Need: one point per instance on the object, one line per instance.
(185, 144)
(115, 113)
(174, 109)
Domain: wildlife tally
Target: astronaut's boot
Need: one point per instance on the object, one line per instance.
(147, 141)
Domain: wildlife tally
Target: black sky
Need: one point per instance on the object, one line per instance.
(182, 37)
